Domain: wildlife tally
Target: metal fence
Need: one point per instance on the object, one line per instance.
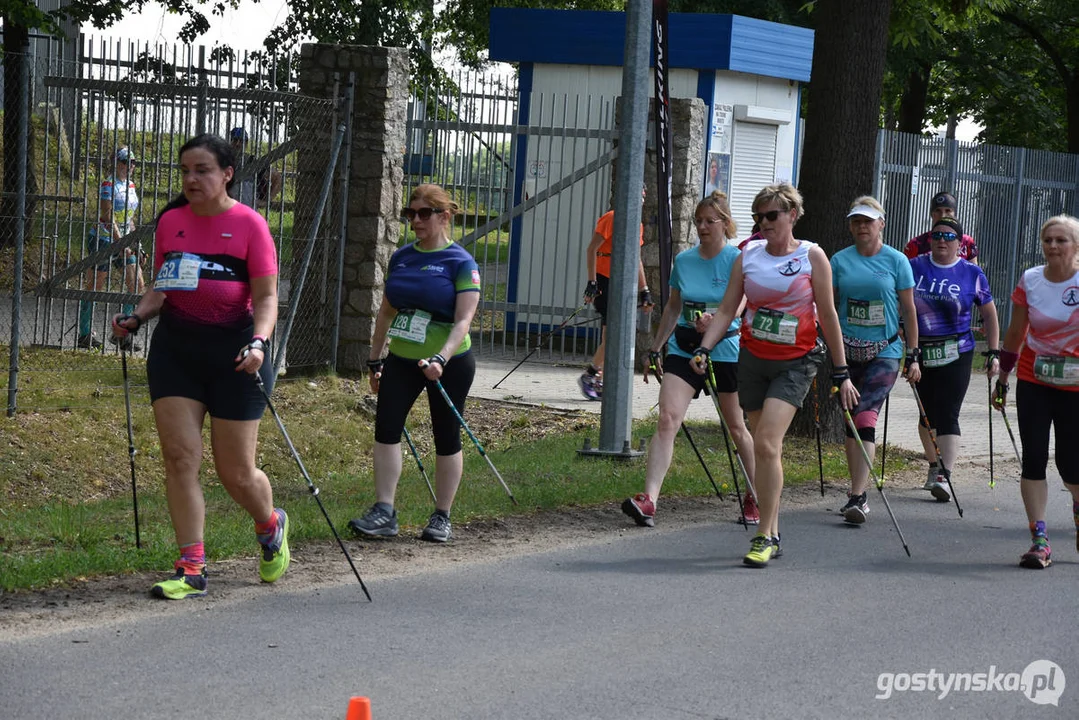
(149, 99)
(532, 175)
(1004, 194)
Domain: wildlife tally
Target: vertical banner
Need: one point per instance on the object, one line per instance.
(664, 148)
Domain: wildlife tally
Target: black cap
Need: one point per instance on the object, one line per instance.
(952, 223)
(942, 199)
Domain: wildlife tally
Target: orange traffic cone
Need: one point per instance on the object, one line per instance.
(359, 708)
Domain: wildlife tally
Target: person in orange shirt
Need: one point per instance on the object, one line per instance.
(598, 263)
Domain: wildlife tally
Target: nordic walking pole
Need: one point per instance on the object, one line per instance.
(816, 425)
(124, 344)
(416, 454)
(310, 485)
(876, 481)
(710, 381)
(446, 397)
(992, 477)
(685, 431)
(933, 436)
(1007, 425)
(539, 344)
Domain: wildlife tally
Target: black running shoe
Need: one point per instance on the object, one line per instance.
(856, 509)
(376, 522)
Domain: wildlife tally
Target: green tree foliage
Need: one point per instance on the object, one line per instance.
(1043, 85)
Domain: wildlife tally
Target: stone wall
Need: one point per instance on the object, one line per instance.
(687, 132)
(688, 116)
(375, 181)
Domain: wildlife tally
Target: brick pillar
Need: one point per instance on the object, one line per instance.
(375, 182)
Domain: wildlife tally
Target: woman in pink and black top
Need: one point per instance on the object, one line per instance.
(216, 295)
(1043, 339)
(787, 284)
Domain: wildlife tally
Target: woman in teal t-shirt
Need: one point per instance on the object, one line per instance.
(873, 284)
(698, 281)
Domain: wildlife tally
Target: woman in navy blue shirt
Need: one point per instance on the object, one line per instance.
(431, 295)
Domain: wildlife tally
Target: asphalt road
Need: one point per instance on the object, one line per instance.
(646, 624)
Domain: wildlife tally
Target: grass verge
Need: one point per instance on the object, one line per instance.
(66, 496)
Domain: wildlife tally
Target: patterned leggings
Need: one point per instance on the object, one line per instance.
(874, 380)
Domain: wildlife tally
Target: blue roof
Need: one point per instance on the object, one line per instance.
(701, 41)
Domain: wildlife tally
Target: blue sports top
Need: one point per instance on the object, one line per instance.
(945, 297)
(422, 286)
(702, 284)
(868, 305)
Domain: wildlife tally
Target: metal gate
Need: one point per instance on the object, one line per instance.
(1004, 195)
(149, 101)
(532, 174)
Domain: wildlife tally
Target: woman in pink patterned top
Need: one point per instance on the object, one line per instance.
(1043, 340)
(216, 296)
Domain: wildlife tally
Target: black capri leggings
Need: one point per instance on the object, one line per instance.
(942, 390)
(1038, 407)
(402, 382)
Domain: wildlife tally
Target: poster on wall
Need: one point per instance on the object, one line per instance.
(722, 125)
(717, 174)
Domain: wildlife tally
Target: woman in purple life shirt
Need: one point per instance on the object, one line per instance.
(946, 289)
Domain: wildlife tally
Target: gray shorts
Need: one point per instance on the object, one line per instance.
(786, 380)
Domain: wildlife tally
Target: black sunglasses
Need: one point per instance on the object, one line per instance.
(770, 216)
(411, 214)
(946, 236)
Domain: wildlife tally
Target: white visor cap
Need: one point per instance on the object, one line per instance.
(866, 211)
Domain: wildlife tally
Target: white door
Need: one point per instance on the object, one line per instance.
(753, 166)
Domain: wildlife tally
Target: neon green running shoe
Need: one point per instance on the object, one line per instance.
(275, 555)
(761, 550)
(181, 586)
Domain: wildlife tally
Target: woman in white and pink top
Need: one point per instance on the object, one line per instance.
(787, 284)
(1043, 339)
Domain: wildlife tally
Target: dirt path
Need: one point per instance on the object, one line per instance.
(102, 601)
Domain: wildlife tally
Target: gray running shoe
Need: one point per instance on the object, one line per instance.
(376, 522)
(931, 477)
(132, 346)
(438, 529)
(88, 342)
(942, 490)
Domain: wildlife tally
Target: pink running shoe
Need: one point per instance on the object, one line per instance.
(1038, 556)
(750, 514)
(641, 508)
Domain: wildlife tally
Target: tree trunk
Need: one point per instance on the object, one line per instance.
(842, 124)
(915, 98)
(1072, 89)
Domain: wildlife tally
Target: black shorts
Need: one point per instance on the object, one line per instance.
(726, 374)
(199, 362)
(603, 286)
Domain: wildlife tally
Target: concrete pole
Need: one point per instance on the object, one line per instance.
(616, 418)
